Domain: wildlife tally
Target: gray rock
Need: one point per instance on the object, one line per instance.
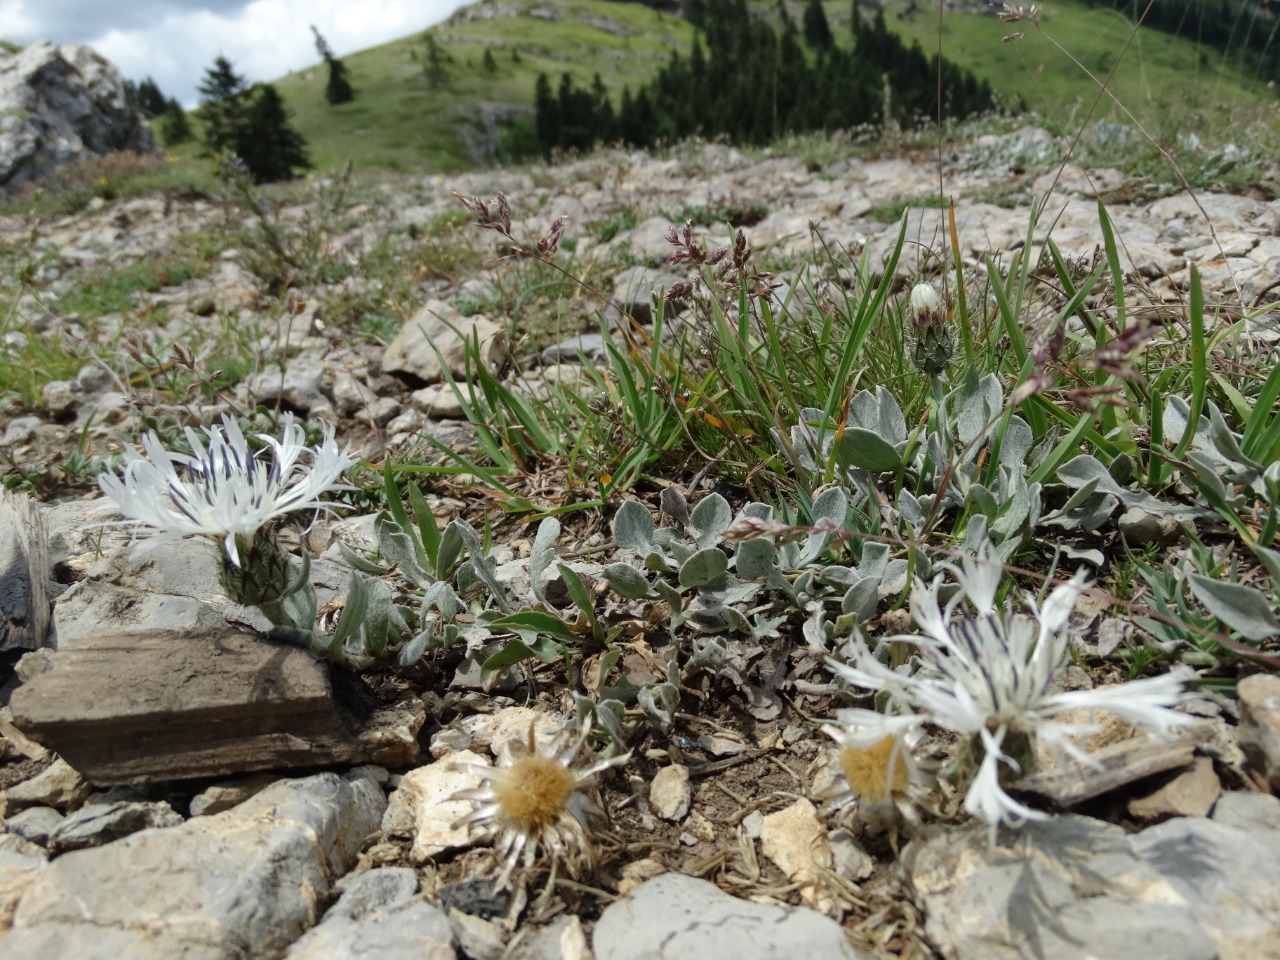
(479, 939)
(245, 883)
(1260, 725)
(563, 939)
(646, 240)
(439, 326)
(674, 916)
(379, 916)
(34, 824)
(589, 345)
(301, 387)
(60, 399)
(670, 793)
(224, 796)
(61, 103)
(96, 824)
(58, 785)
(1061, 889)
(1226, 873)
(20, 864)
(1139, 528)
(634, 288)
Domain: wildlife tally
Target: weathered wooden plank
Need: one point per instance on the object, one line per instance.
(131, 707)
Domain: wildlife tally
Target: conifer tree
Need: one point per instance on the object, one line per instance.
(434, 69)
(817, 31)
(222, 105)
(338, 89)
(268, 146)
(490, 65)
(150, 100)
(174, 126)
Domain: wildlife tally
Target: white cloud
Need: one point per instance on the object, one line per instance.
(173, 41)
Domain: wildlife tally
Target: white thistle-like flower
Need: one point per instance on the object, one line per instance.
(224, 491)
(535, 800)
(881, 778)
(988, 676)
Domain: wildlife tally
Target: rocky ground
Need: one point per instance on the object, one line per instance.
(717, 844)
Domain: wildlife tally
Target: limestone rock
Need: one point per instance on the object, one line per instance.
(440, 325)
(20, 864)
(60, 104)
(378, 915)
(1071, 887)
(420, 806)
(34, 824)
(795, 840)
(58, 785)
(1260, 725)
(678, 916)
(1191, 793)
(24, 565)
(670, 792)
(96, 824)
(563, 939)
(245, 883)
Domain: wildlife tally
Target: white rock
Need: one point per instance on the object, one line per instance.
(422, 804)
(671, 792)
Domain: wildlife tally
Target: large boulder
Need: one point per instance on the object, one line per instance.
(60, 103)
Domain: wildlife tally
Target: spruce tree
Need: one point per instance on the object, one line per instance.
(222, 105)
(174, 126)
(338, 90)
(434, 69)
(150, 100)
(268, 146)
(817, 31)
(490, 65)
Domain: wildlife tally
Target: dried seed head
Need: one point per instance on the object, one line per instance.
(538, 800)
(877, 772)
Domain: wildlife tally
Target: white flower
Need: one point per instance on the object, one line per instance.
(225, 491)
(880, 776)
(988, 675)
(535, 799)
(926, 305)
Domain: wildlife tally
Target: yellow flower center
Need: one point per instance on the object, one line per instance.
(532, 793)
(875, 772)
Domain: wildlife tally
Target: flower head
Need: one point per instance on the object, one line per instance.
(534, 799)
(224, 491)
(987, 674)
(880, 775)
(934, 345)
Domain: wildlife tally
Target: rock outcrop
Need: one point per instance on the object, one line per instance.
(60, 103)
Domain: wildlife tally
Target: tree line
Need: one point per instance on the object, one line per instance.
(752, 82)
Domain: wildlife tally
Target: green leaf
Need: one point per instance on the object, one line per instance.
(428, 529)
(543, 623)
(353, 611)
(542, 554)
(712, 517)
(544, 649)
(577, 591)
(396, 506)
(867, 451)
(633, 527)
(753, 559)
(704, 568)
(628, 582)
(1243, 609)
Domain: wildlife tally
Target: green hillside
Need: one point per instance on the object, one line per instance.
(400, 121)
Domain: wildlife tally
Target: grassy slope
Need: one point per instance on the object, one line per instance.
(398, 122)
(1159, 75)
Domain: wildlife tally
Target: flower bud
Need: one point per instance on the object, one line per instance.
(934, 347)
(926, 306)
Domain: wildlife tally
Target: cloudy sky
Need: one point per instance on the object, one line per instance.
(174, 40)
